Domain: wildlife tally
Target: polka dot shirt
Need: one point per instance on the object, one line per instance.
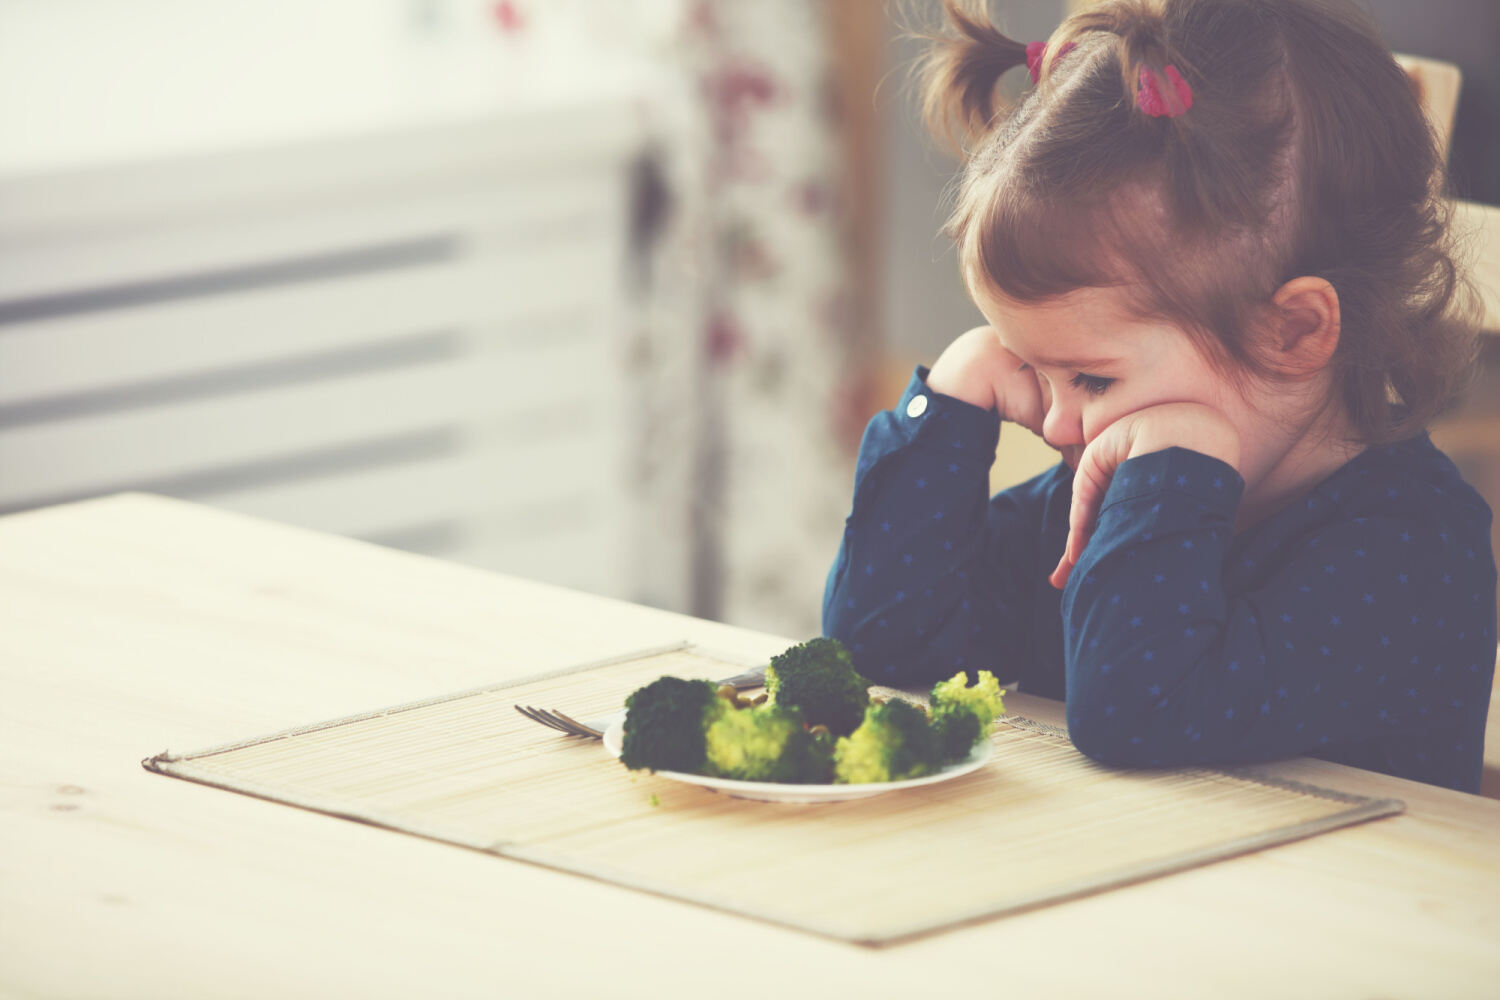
(1357, 624)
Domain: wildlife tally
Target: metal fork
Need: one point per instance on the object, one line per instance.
(594, 728)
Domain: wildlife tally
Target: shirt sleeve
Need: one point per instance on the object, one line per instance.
(1180, 651)
(929, 576)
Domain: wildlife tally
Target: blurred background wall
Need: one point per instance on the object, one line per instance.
(595, 292)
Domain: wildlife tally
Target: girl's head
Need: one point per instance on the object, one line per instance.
(1289, 222)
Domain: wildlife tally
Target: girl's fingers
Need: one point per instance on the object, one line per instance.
(1096, 467)
(1059, 577)
(1032, 412)
(1019, 400)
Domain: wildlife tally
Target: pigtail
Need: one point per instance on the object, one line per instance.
(1146, 63)
(1154, 76)
(959, 73)
(1222, 162)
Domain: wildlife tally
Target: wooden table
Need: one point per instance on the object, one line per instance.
(133, 624)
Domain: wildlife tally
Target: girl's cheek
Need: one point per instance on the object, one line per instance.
(1097, 416)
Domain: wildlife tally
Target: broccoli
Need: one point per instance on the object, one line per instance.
(957, 732)
(767, 743)
(893, 742)
(963, 715)
(984, 698)
(818, 677)
(665, 722)
(818, 726)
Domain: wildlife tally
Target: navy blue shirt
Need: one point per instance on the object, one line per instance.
(1357, 624)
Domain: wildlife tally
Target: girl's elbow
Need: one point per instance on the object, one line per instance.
(1105, 752)
(1102, 743)
(1121, 745)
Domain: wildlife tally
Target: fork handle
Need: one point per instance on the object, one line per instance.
(749, 679)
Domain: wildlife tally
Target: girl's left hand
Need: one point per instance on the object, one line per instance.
(1194, 426)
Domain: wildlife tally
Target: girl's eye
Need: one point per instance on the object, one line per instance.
(1094, 385)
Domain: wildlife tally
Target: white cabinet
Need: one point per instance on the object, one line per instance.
(409, 333)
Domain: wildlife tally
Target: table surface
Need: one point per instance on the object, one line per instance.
(134, 624)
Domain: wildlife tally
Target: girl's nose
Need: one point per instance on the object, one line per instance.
(1063, 425)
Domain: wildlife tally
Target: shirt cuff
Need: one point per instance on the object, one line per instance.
(929, 417)
(1212, 482)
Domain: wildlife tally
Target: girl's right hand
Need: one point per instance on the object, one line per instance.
(977, 369)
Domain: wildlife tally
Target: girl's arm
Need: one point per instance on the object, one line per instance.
(1193, 426)
(1367, 615)
(933, 576)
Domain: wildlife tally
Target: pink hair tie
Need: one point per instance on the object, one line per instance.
(1149, 97)
(1036, 52)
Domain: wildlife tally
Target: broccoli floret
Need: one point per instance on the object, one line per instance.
(957, 732)
(984, 698)
(818, 677)
(767, 743)
(963, 715)
(665, 723)
(894, 741)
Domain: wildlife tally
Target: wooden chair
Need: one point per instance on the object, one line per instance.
(1437, 84)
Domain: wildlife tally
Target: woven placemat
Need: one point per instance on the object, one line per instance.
(1038, 824)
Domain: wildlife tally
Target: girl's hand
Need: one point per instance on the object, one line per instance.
(1154, 428)
(977, 369)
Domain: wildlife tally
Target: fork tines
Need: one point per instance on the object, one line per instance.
(537, 715)
(556, 720)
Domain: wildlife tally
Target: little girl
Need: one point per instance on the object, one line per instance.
(1210, 249)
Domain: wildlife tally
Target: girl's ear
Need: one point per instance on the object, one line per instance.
(1305, 326)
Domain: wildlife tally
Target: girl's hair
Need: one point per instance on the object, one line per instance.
(1305, 152)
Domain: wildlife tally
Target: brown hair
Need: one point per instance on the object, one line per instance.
(1305, 152)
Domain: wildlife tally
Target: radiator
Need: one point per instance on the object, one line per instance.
(411, 337)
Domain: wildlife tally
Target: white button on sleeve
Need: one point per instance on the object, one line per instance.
(917, 406)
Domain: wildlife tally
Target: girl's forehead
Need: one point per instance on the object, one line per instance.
(1098, 305)
(1095, 331)
(1088, 323)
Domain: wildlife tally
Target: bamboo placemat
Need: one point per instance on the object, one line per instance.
(1038, 824)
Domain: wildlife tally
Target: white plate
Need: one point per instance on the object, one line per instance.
(776, 791)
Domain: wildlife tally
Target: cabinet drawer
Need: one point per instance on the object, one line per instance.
(176, 340)
(141, 447)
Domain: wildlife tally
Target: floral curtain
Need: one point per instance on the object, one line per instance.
(775, 331)
(741, 347)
